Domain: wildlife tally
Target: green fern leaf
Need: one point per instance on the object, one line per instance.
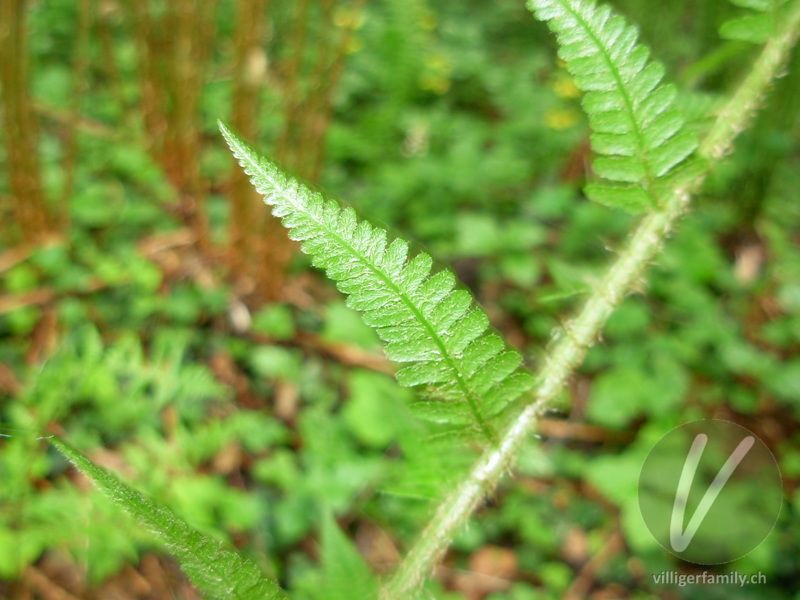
(345, 575)
(637, 131)
(436, 331)
(755, 28)
(218, 570)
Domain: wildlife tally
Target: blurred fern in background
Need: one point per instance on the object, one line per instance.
(153, 315)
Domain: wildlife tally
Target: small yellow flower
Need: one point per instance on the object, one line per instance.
(564, 86)
(354, 44)
(435, 83)
(561, 118)
(436, 77)
(439, 63)
(348, 18)
(428, 21)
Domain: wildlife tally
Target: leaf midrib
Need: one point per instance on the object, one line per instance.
(487, 431)
(623, 89)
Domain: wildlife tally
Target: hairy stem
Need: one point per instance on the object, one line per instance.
(571, 345)
(736, 114)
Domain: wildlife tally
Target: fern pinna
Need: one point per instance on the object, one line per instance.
(759, 24)
(465, 373)
(636, 129)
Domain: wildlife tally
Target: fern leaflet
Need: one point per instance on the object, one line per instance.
(638, 132)
(218, 570)
(756, 28)
(465, 373)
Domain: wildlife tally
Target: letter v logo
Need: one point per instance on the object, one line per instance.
(710, 491)
(680, 539)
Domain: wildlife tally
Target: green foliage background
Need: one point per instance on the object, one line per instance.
(454, 124)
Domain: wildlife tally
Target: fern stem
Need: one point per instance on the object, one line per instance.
(736, 114)
(568, 352)
(571, 345)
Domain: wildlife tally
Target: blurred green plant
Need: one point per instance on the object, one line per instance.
(454, 123)
(467, 379)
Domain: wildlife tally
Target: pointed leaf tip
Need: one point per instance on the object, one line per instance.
(218, 570)
(397, 296)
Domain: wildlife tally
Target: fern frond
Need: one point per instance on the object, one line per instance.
(465, 373)
(637, 131)
(756, 28)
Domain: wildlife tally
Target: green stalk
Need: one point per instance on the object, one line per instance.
(571, 345)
